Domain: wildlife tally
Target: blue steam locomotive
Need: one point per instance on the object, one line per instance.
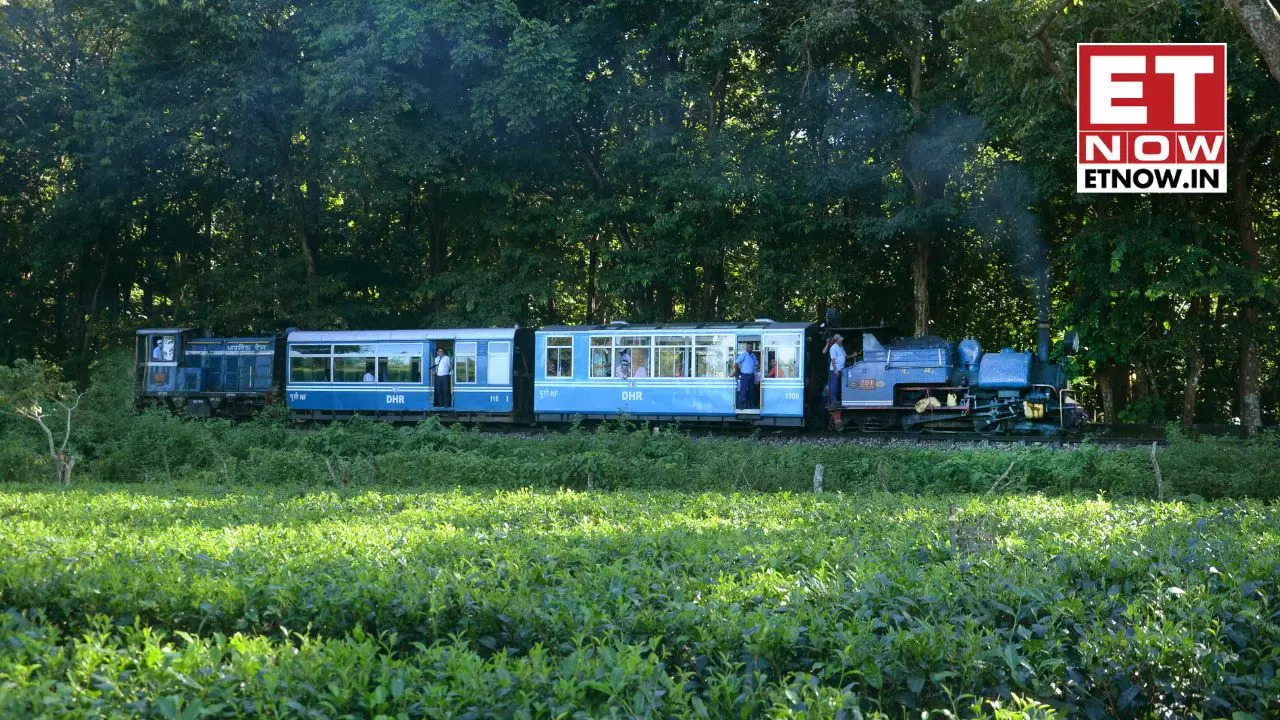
(759, 373)
(928, 383)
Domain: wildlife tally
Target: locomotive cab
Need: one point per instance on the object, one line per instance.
(157, 356)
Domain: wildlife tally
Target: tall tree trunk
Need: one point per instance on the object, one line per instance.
(1262, 23)
(1250, 379)
(921, 196)
(436, 251)
(712, 286)
(592, 252)
(306, 244)
(920, 285)
(1113, 386)
(1107, 393)
(1198, 316)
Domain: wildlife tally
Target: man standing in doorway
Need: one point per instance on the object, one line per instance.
(835, 368)
(746, 376)
(443, 369)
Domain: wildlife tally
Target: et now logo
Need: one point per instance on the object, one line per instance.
(1151, 117)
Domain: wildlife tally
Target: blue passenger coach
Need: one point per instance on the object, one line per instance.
(388, 373)
(670, 372)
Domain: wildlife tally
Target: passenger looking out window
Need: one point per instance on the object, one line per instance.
(559, 357)
(623, 368)
(639, 364)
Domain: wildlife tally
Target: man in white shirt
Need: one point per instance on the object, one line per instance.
(835, 368)
(368, 374)
(443, 369)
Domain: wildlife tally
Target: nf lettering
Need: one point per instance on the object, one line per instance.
(1149, 107)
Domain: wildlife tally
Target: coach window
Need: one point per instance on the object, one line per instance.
(352, 362)
(601, 357)
(713, 356)
(559, 357)
(673, 353)
(309, 363)
(400, 363)
(633, 354)
(464, 363)
(785, 351)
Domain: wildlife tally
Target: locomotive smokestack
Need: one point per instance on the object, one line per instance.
(1042, 336)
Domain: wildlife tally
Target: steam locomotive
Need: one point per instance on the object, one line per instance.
(927, 383)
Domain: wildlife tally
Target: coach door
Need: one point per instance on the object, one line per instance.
(747, 385)
(442, 386)
(780, 368)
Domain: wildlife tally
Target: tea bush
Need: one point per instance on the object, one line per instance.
(157, 446)
(231, 599)
(117, 444)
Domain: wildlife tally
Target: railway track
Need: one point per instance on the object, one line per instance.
(1112, 436)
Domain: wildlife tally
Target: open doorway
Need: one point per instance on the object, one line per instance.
(441, 367)
(748, 373)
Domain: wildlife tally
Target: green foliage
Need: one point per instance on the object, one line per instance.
(246, 599)
(107, 411)
(248, 165)
(21, 458)
(33, 391)
(159, 446)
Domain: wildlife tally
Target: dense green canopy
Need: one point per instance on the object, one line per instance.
(250, 165)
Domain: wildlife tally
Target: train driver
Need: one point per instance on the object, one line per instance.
(835, 368)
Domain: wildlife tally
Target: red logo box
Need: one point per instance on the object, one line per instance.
(1151, 117)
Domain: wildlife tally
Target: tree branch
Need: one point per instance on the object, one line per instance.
(1052, 14)
(37, 416)
(1262, 23)
(1048, 57)
(68, 409)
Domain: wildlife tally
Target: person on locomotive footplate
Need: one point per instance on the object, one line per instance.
(442, 370)
(746, 376)
(834, 348)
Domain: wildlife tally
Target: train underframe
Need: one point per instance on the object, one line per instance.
(235, 406)
(1045, 411)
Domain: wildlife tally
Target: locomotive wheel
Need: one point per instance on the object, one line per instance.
(988, 427)
(872, 423)
(912, 425)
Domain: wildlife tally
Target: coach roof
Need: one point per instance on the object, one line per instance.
(622, 327)
(296, 336)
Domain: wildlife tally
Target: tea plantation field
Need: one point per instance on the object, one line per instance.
(177, 601)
